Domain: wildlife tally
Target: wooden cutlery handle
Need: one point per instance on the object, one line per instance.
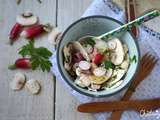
(131, 13)
(119, 105)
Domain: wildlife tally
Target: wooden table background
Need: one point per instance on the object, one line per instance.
(54, 102)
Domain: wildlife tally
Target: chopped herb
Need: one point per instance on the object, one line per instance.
(18, 2)
(39, 1)
(109, 64)
(119, 67)
(133, 59)
(85, 45)
(114, 77)
(106, 51)
(90, 42)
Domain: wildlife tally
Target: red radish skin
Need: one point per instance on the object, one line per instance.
(77, 57)
(15, 32)
(33, 31)
(98, 58)
(23, 63)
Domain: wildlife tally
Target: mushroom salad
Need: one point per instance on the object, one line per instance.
(96, 64)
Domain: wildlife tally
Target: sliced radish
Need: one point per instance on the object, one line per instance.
(84, 65)
(100, 71)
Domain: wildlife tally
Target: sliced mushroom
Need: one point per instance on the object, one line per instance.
(88, 48)
(53, 36)
(98, 80)
(113, 86)
(83, 80)
(125, 63)
(101, 45)
(112, 45)
(84, 65)
(99, 71)
(125, 48)
(67, 66)
(81, 49)
(33, 86)
(18, 81)
(27, 19)
(78, 71)
(67, 56)
(117, 56)
(95, 87)
(109, 73)
(79, 82)
(75, 66)
(116, 76)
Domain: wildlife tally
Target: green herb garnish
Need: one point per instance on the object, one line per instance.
(90, 42)
(133, 59)
(39, 57)
(108, 65)
(114, 77)
(18, 2)
(39, 1)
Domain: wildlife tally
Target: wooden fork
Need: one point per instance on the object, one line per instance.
(147, 64)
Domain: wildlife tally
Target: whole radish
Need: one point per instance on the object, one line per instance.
(23, 63)
(35, 31)
(15, 32)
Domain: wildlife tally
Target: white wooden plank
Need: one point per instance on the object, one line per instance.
(69, 11)
(21, 105)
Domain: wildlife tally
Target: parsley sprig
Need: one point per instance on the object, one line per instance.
(39, 57)
(90, 42)
(133, 59)
(108, 65)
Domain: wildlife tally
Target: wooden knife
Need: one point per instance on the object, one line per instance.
(119, 105)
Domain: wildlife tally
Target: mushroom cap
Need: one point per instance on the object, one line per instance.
(33, 86)
(117, 56)
(18, 81)
(26, 20)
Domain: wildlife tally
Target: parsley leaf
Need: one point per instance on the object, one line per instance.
(39, 57)
(108, 65)
(133, 59)
(27, 49)
(90, 42)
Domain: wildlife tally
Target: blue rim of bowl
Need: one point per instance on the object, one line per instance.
(84, 93)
